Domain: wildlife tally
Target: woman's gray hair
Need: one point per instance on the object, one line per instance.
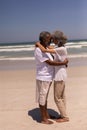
(57, 35)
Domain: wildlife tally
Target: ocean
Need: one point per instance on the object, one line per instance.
(25, 50)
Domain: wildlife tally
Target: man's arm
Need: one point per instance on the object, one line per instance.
(50, 50)
(56, 63)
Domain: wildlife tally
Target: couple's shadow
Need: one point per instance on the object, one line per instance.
(35, 114)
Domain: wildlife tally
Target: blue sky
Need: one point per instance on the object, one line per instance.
(23, 20)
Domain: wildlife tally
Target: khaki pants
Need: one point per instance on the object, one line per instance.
(59, 97)
(42, 91)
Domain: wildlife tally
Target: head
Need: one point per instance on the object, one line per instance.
(59, 38)
(45, 38)
(63, 40)
(57, 35)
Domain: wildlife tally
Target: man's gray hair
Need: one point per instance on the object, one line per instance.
(43, 35)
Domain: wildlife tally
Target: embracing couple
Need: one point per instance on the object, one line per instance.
(51, 64)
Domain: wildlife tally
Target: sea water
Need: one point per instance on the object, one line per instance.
(25, 50)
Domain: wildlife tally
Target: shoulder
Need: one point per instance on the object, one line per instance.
(37, 43)
(37, 49)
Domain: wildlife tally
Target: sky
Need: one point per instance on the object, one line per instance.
(23, 20)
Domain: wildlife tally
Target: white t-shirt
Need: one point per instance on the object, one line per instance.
(60, 71)
(44, 71)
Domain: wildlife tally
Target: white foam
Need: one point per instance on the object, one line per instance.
(33, 58)
(22, 58)
(16, 49)
(76, 44)
(78, 56)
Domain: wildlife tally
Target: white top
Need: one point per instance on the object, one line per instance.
(44, 71)
(60, 71)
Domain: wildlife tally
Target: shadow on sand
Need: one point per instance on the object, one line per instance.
(35, 114)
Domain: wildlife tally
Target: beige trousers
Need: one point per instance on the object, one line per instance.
(59, 97)
(42, 91)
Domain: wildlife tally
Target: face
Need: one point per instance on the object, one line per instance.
(48, 40)
(55, 41)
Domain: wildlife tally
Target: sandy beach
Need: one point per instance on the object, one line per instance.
(18, 110)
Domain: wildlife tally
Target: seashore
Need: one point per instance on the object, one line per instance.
(18, 109)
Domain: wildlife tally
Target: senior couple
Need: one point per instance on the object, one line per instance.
(51, 66)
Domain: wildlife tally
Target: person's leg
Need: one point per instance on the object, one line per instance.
(59, 97)
(64, 96)
(44, 118)
(43, 95)
(47, 114)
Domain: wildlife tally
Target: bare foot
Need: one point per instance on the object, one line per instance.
(65, 119)
(47, 122)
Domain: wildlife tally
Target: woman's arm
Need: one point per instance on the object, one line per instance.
(44, 49)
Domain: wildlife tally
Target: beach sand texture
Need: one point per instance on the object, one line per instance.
(18, 110)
